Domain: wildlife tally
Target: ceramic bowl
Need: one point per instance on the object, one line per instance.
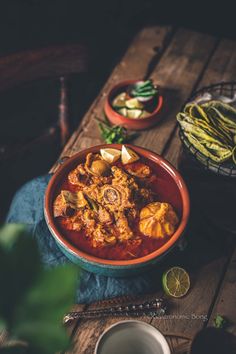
(130, 123)
(170, 188)
(129, 337)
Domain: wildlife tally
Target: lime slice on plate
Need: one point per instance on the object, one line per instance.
(176, 282)
(110, 155)
(134, 103)
(134, 113)
(128, 155)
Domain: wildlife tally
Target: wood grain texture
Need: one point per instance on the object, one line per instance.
(222, 67)
(191, 59)
(55, 61)
(143, 53)
(226, 298)
(64, 111)
(190, 314)
(177, 71)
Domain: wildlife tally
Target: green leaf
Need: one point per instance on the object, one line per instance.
(9, 235)
(19, 265)
(220, 321)
(39, 318)
(33, 300)
(16, 349)
(3, 325)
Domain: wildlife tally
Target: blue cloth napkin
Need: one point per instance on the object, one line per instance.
(27, 208)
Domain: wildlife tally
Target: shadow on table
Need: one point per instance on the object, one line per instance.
(211, 231)
(214, 340)
(171, 99)
(204, 244)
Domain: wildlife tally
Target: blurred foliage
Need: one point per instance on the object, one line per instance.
(33, 300)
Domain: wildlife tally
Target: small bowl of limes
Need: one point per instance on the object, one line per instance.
(134, 104)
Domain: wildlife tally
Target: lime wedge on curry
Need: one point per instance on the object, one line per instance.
(110, 155)
(176, 282)
(128, 155)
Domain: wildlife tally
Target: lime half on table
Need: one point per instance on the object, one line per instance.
(176, 282)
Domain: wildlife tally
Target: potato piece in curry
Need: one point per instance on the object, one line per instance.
(113, 204)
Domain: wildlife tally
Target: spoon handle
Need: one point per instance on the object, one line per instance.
(154, 308)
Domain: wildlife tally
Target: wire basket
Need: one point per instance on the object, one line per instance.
(227, 168)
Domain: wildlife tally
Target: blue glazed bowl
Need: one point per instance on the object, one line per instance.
(172, 189)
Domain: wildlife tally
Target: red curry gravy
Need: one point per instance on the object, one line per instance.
(119, 251)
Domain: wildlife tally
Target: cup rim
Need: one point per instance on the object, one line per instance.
(164, 344)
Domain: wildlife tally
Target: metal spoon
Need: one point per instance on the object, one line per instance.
(153, 308)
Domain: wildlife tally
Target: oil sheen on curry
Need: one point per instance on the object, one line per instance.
(108, 207)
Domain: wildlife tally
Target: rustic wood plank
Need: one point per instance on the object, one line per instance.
(177, 73)
(151, 42)
(222, 67)
(26, 66)
(181, 51)
(70, 327)
(88, 331)
(189, 314)
(174, 149)
(146, 48)
(225, 302)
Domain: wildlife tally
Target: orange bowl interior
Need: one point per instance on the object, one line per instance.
(170, 188)
(121, 87)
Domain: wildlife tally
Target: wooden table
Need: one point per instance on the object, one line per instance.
(180, 61)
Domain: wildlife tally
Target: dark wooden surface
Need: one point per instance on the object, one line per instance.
(179, 61)
(54, 61)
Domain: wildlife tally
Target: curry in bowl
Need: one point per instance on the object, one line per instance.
(110, 206)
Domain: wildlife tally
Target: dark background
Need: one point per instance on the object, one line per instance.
(106, 28)
(31, 23)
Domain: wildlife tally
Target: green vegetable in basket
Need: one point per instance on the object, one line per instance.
(211, 128)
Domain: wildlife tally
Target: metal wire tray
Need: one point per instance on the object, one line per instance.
(227, 168)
